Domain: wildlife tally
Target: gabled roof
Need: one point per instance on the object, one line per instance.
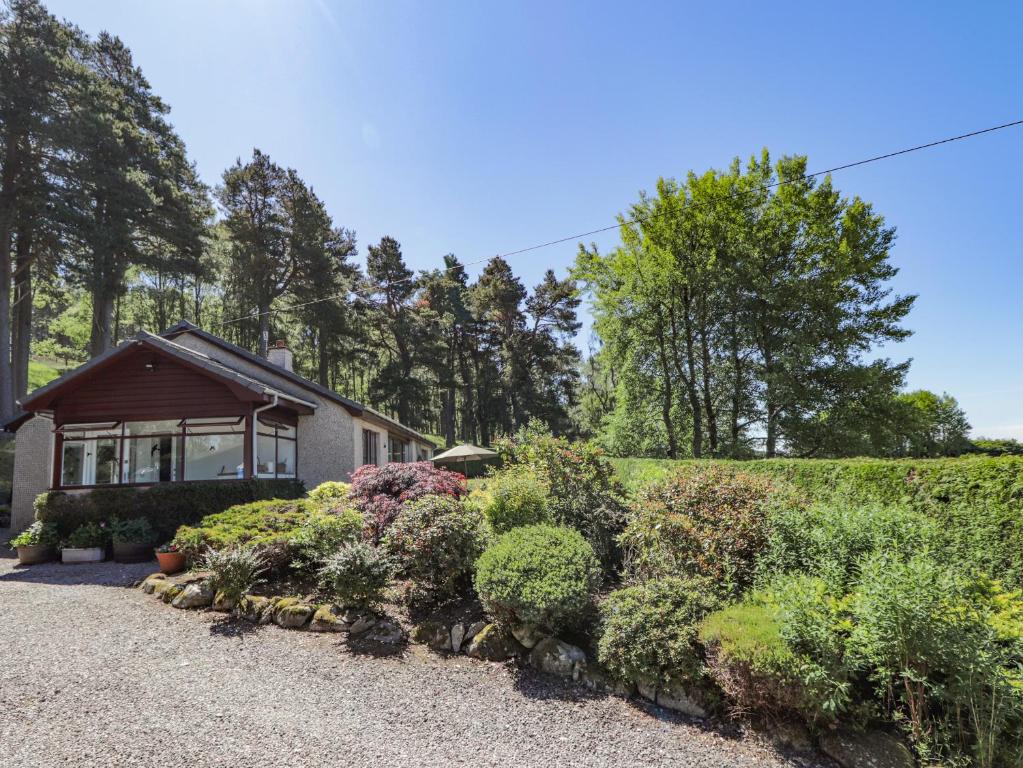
(245, 387)
(353, 407)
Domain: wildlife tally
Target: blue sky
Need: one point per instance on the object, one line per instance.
(479, 128)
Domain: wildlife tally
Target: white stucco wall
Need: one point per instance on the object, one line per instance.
(33, 462)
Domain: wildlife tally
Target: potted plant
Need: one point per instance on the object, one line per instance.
(86, 544)
(36, 544)
(133, 540)
(172, 560)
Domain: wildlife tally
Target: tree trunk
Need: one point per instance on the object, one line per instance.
(264, 329)
(101, 338)
(22, 314)
(708, 400)
(8, 200)
(737, 383)
(667, 395)
(322, 356)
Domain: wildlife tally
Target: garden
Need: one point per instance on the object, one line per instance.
(853, 606)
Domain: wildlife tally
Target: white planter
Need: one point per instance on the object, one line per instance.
(82, 555)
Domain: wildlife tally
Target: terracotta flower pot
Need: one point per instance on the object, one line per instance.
(171, 562)
(35, 553)
(132, 553)
(82, 554)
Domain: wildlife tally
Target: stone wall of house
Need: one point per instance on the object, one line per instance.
(33, 458)
(326, 448)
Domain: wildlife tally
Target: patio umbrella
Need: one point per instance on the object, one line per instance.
(465, 452)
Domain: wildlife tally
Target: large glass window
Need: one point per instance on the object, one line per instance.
(398, 449)
(166, 451)
(275, 449)
(214, 457)
(370, 447)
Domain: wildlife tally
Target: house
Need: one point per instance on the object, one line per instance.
(188, 405)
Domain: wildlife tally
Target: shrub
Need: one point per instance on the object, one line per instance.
(780, 651)
(434, 543)
(234, 570)
(585, 494)
(39, 533)
(88, 535)
(515, 497)
(710, 523)
(381, 492)
(135, 531)
(830, 539)
(330, 493)
(166, 506)
(541, 575)
(269, 526)
(944, 653)
(323, 534)
(648, 631)
(355, 576)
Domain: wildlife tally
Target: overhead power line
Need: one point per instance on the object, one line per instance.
(641, 219)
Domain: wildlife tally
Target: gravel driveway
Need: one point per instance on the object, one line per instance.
(93, 673)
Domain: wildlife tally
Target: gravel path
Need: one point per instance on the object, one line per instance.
(95, 674)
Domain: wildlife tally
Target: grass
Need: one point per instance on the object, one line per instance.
(42, 372)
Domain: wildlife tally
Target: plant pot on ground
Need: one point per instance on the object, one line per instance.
(171, 560)
(86, 544)
(37, 544)
(133, 540)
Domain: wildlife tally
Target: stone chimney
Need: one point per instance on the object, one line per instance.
(280, 355)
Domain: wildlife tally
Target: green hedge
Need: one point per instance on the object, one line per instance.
(166, 506)
(977, 502)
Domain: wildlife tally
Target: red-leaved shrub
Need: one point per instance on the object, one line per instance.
(382, 492)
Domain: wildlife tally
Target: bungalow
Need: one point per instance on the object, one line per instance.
(188, 405)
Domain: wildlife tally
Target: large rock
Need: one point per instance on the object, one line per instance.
(556, 657)
(474, 629)
(194, 596)
(792, 735)
(170, 592)
(223, 603)
(527, 634)
(267, 616)
(674, 696)
(457, 637)
(291, 613)
(492, 643)
(328, 618)
(149, 583)
(591, 675)
(433, 634)
(647, 688)
(361, 622)
(386, 632)
(874, 749)
(251, 608)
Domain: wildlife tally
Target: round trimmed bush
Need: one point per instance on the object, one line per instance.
(649, 631)
(542, 575)
(323, 534)
(355, 576)
(330, 493)
(433, 544)
(514, 498)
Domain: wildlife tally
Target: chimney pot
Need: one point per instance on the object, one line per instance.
(281, 344)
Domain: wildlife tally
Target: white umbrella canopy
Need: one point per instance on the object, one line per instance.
(466, 453)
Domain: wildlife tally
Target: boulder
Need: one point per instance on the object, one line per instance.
(791, 735)
(647, 688)
(474, 629)
(591, 675)
(874, 749)
(362, 623)
(251, 607)
(433, 634)
(328, 618)
(267, 616)
(386, 632)
(292, 615)
(223, 603)
(457, 637)
(492, 643)
(149, 583)
(170, 592)
(556, 657)
(527, 634)
(194, 596)
(674, 696)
